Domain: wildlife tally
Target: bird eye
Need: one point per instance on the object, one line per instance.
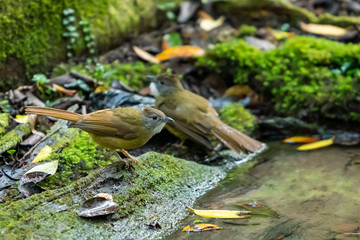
(161, 82)
(154, 117)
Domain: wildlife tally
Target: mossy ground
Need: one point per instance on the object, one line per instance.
(305, 77)
(161, 186)
(236, 116)
(12, 138)
(4, 122)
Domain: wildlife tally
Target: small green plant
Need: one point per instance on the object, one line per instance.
(46, 91)
(4, 105)
(69, 23)
(11, 152)
(168, 8)
(88, 37)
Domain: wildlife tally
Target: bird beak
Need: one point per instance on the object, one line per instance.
(167, 119)
(151, 78)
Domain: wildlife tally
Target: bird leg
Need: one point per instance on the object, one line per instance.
(122, 160)
(180, 144)
(129, 156)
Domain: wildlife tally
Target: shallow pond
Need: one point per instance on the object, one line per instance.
(304, 195)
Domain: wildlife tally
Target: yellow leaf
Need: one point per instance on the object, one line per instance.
(201, 227)
(22, 119)
(328, 30)
(300, 139)
(318, 144)
(221, 213)
(281, 35)
(180, 51)
(145, 55)
(43, 154)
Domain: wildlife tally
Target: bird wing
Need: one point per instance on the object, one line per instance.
(111, 122)
(191, 117)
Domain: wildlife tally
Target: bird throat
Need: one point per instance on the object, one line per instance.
(154, 89)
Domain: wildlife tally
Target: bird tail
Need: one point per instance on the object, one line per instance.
(234, 139)
(52, 112)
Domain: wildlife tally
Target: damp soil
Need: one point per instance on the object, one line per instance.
(304, 195)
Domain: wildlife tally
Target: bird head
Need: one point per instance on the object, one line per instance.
(154, 119)
(164, 84)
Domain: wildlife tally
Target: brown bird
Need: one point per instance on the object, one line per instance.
(119, 128)
(194, 117)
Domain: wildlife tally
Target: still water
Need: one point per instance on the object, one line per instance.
(303, 195)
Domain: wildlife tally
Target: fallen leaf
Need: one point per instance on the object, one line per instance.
(145, 55)
(99, 205)
(281, 35)
(201, 227)
(28, 182)
(328, 30)
(48, 168)
(180, 51)
(318, 144)
(221, 213)
(300, 139)
(63, 91)
(210, 24)
(21, 119)
(44, 153)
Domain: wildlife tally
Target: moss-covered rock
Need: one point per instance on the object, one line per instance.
(160, 187)
(236, 116)
(306, 77)
(15, 136)
(31, 33)
(4, 122)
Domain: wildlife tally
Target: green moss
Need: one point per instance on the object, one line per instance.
(12, 138)
(306, 77)
(80, 155)
(160, 179)
(236, 116)
(4, 122)
(246, 30)
(31, 32)
(133, 75)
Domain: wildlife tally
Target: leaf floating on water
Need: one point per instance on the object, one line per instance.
(221, 213)
(300, 139)
(99, 205)
(145, 55)
(22, 119)
(201, 227)
(328, 30)
(316, 145)
(180, 51)
(43, 154)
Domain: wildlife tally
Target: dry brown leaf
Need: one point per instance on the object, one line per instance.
(328, 30)
(145, 55)
(62, 91)
(180, 51)
(204, 15)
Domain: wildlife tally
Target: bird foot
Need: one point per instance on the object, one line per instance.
(128, 155)
(127, 165)
(179, 145)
